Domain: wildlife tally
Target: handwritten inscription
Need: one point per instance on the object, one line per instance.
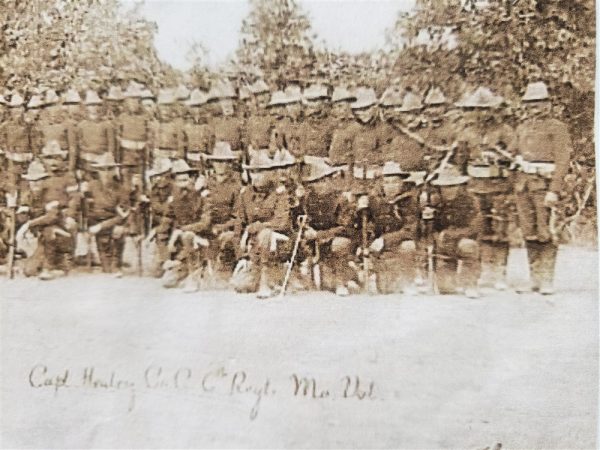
(212, 382)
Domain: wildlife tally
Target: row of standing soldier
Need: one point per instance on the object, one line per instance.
(396, 194)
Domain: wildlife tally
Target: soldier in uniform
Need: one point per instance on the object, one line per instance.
(169, 138)
(95, 135)
(370, 138)
(133, 136)
(148, 100)
(52, 209)
(457, 226)
(57, 126)
(543, 147)
(316, 128)
(394, 213)
(279, 121)
(17, 139)
(33, 109)
(198, 135)
(258, 126)
(113, 101)
(341, 112)
(190, 216)
(330, 214)
(224, 185)
(289, 130)
(489, 182)
(262, 222)
(108, 212)
(226, 126)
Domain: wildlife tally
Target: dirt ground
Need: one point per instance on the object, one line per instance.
(89, 361)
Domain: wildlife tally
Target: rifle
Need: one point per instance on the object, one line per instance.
(144, 212)
(301, 224)
(12, 244)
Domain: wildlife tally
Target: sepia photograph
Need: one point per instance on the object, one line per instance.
(304, 224)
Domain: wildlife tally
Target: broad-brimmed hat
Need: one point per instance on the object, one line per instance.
(293, 93)
(115, 94)
(197, 98)
(181, 166)
(35, 102)
(16, 100)
(316, 91)
(483, 97)
(245, 92)
(182, 93)
(435, 97)
(91, 98)
(166, 97)
(283, 158)
(259, 87)
(133, 91)
(159, 167)
(71, 97)
(450, 176)
(365, 97)
(535, 92)
(411, 102)
(319, 170)
(52, 148)
(51, 98)
(105, 161)
(36, 171)
(392, 96)
(342, 94)
(278, 98)
(221, 152)
(392, 168)
(260, 160)
(221, 90)
(147, 94)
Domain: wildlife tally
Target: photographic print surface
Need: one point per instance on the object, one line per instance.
(298, 224)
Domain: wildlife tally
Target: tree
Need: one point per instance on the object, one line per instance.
(57, 42)
(276, 41)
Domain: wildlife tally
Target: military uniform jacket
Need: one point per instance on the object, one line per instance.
(199, 137)
(459, 218)
(257, 131)
(340, 149)
(409, 153)
(104, 200)
(54, 189)
(16, 137)
(224, 196)
(330, 214)
(315, 136)
(397, 220)
(62, 132)
(546, 140)
(190, 210)
(132, 127)
(170, 137)
(228, 129)
(369, 142)
(286, 134)
(270, 208)
(95, 137)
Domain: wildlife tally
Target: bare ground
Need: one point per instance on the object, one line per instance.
(190, 370)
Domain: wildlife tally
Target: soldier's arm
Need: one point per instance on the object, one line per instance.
(280, 221)
(72, 145)
(111, 139)
(563, 148)
(204, 223)
(180, 144)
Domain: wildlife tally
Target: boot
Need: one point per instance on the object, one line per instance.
(264, 290)
(533, 256)
(548, 252)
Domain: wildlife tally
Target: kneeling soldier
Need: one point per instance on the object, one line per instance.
(457, 227)
(394, 211)
(263, 221)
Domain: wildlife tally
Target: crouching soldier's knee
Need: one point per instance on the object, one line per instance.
(341, 245)
(468, 249)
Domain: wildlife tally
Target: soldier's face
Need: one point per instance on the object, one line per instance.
(294, 110)
(165, 111)
(16, 113)
(435, 113)
(72, 109)
(106, 175)
(226, 106)
(220, 167)
(450, 192)
(182, 180)
(534, 109)
(365, 115)
(92, 112)
(132, 105)
(148, 106)
(390, 113)
(259, 178)
(53, 163)
(36, 185)
(314, 106)
(392, 186)
(341, 110)
(262, 100)
(31, 115)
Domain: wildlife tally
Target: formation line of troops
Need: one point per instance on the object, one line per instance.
(326, 188)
